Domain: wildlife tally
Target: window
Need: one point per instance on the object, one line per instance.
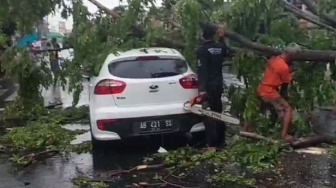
(142, 69)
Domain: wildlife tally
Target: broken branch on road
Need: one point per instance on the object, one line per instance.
(296, 144)
(138, 168)
(145, 184)
(34, 157)
(257, 136)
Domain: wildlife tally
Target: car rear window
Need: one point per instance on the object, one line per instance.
(158, 68)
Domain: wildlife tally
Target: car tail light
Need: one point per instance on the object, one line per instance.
(143, 58)
(108, 86)
(101, 124)
(189, 82)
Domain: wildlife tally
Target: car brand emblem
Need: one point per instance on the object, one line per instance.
(153, 87)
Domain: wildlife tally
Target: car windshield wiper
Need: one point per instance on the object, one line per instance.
(163, 74)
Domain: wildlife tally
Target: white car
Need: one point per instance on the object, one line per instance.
(142, 92)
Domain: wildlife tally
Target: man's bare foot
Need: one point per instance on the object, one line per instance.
(288, 138)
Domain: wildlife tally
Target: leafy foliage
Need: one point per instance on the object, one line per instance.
(248, 159)
(44, 134)
(38, 136)
(259, 155)
(333, 151)
(82, 182)
(238, 164)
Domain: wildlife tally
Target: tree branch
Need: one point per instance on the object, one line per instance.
(250, 44)
(113, 13)
(312, 7)
(302, 15)
(116, 15)
(305, 55)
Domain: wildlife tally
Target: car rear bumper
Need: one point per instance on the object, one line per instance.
(107, 135)
(128, 125)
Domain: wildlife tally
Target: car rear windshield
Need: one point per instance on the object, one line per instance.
(141, 69)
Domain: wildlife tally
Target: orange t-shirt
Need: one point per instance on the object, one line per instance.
(276, 73)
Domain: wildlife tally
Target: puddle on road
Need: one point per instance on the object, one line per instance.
(74, 127)
(56, 172)
(82, 137)
(7, 179)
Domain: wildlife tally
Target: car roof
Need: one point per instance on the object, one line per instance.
(145, 52)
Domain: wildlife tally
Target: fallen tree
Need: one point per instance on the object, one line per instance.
(254, 31)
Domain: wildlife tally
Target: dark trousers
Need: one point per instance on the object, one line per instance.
(214, 129)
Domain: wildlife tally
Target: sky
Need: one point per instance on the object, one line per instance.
(54, 19)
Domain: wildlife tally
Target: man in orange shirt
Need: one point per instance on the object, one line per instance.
(278, 74)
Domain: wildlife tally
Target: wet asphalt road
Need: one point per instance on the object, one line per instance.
(307, 170)
(302, 170)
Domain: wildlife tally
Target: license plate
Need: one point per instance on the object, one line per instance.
(156, 126)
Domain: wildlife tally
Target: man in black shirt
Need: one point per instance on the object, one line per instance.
(210, 58)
